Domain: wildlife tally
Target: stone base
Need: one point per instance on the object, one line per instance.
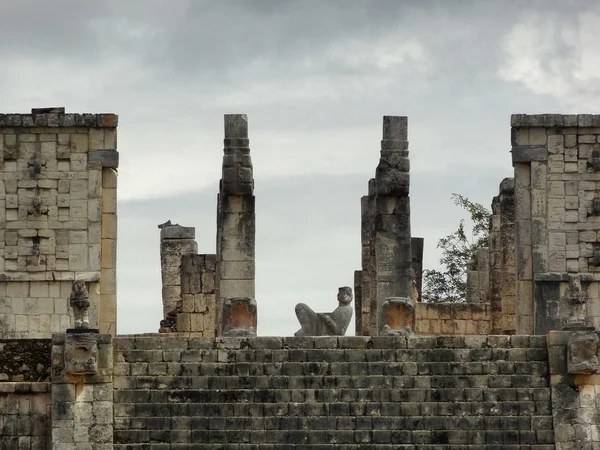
(81, 353)
(238, 317)
(82, 330)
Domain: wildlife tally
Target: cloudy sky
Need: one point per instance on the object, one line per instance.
(315, 78)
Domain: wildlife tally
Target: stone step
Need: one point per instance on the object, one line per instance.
(332, 355)
(318, 436)
(328, 395)
(465, 422)
(344, 446)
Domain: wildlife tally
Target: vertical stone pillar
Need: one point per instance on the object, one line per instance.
(366, 321)
(417, 245)
(393, 254)
(236, 232)
(175, 242)
(503, 280)
(478, 277)
(358, 303)
(573, 362)
(198, 312)
(557, 216)
(82, 391)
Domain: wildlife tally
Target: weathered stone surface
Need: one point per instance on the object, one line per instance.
(81, 353)
(582, 353)
(326, 324)
(419, 393)
(25, 360)
(106, 158)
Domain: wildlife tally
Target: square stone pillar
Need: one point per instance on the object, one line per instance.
(82, 391)
(236, 229)
(392, 233)
(175, 242)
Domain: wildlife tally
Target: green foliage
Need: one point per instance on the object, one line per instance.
(450, 284)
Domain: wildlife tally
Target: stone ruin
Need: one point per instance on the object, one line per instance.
(514, 367)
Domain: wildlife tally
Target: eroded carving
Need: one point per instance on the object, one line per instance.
(395, 316)
(81, 354)
(326, 324)
(78, 300)
(582, 353)
(238, 316)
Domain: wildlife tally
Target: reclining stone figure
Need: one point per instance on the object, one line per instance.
(326, 324)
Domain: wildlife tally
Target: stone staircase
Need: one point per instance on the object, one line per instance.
(424, 393)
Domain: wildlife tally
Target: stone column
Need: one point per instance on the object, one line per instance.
(368, 303)
(503, 279)
(82, 391)
(236, 232)
(358, 304)
(478, 277)
(417, 244)
(175, 241)
(198, 312)
(393, 254)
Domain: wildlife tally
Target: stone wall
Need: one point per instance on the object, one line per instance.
(556, 160)
(58, 208)
(25, 360)
(25, 416)
(25, 394)
(198, 300)
(502, 268)
(350, 392)
(452, 318)
(478, 277)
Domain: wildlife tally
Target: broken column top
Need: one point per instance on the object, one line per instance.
(176, 231)
(507, 185)
(236, 126)
(395, 128)
(238, 176)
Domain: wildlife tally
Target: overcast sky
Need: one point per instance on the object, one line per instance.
(315, 78)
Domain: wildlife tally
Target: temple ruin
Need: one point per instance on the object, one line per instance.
(514, 367)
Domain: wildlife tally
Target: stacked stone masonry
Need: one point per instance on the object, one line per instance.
(556, 160)
(25, 419)
(175, 242)
(198, 299)
(502, 265)
(478, 285)
(58, 208)
(473, 392)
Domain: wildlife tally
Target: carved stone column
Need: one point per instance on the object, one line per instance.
(393, 253)
(236, 232)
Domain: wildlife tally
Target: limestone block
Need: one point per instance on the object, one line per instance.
(537, 136)
(109, 226)
(109, 200)
(109, 178)
(81, 353)
(582, 351)
(236, 288)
